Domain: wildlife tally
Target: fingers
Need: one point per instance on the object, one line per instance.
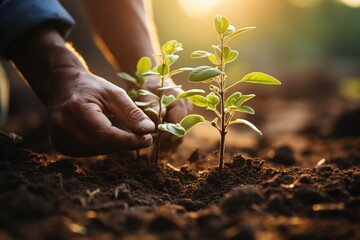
(81, 129)
(122, 107)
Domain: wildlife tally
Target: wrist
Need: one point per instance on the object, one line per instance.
(42, 58)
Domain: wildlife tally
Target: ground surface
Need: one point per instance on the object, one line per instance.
(311, 191)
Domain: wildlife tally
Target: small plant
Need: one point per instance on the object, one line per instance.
(160, 100)
(225, 107)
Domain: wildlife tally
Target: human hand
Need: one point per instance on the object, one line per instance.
(80, 112)
(174, 113)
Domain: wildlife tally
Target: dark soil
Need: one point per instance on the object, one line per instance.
(291, 194)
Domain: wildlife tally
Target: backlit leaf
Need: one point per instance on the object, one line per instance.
(213, 100)
(169, 87)
(221, 24)
(249, 124)
(144, 104)
(173, 128)
(213, 59)
(171, 47)
(231, 100)
(149, 73)
(191, 92)
(198, 100)
(217, 49)
(162, 69)
(151, 110)
(239, 31)
(170, 59)
(166, 100)
(200, 54)
(203, 73)
(143, 92)
(133, 94)
(260, 78)
(180, 70)
(229, 30)
(191, 120)
(231, 56)
(244, 109)
(243, 99)
(127, 77)
(143, 65)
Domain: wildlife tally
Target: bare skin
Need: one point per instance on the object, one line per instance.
(131, 35)
(83, 108)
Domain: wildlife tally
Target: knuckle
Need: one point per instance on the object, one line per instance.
(135, 114)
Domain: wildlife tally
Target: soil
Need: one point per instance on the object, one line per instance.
(287, 192)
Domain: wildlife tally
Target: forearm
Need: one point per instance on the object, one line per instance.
(123, 28)
(39, 55)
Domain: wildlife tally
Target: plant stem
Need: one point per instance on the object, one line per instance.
(160, 121)
(222, 106)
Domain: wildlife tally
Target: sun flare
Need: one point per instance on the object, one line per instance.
(198, 8)
(351, 3)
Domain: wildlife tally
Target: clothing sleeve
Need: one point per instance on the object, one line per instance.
(18, 16)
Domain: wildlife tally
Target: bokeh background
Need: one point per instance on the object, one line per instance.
(312, 46)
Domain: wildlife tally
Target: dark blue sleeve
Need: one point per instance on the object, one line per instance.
(18, 16)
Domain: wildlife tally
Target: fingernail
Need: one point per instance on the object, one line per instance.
(146, 124)
(148, 139)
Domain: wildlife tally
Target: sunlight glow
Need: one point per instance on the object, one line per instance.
(304, 3)
(351, 3)
(198, 8)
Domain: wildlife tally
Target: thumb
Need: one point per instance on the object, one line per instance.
(132, 117)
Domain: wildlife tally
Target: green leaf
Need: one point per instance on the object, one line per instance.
(203, 73)
(217, 49)
(189, 93)
(175, 129)
(243, 99)
(244, 109)
(237, 99)
(127, 77)
(229, 30)
(221, 24)
(249, 124)
(162, 69)
(149, 73)
(198, 100)
(144, 104)
(213, 100)
(231, 56)
(151, 110)
(191, 120)
(143, 65)
(214, 59)
(180, 70)
(169, 87)
(227, 51)
(170, 59)
(133, 94)
(239, 31)
(171, 47)
(200, 54)
(143, 92)
(260, 78)
(166, 100)
(231, 100)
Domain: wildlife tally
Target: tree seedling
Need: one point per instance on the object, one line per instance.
(225, 107)
(160, 100)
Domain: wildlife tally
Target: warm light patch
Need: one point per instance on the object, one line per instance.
(198, 8)
(304, 3)
(351, 3)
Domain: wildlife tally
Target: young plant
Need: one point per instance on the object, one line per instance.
(225, 107)
(160, 100)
